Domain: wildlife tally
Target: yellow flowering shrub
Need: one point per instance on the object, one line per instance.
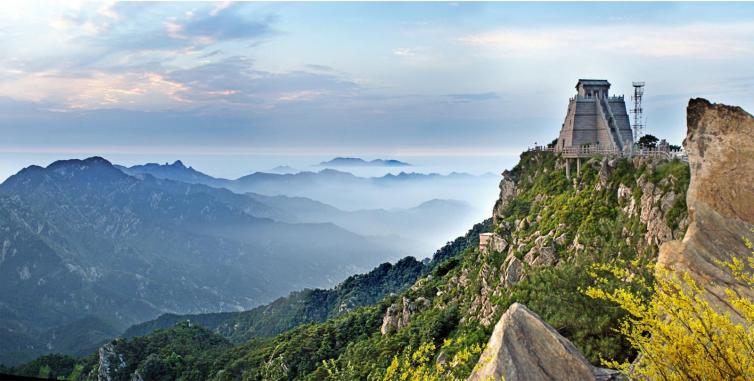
(420, 365)
(677, 332)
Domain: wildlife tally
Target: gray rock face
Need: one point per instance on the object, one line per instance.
(653, 207)
(110, 361)
(397, 317)
(491, 242)
(540, 256)
(507, 191)
(482, 307)
(525, 348)
(514, 271)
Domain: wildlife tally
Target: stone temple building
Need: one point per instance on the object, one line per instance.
(595, 119)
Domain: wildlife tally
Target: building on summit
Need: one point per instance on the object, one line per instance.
(595, 120)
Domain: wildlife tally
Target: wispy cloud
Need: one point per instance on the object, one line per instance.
(701, 41)
(235, 80)
(193, 30)
(414, 55)
(474, 97)
(117, 55)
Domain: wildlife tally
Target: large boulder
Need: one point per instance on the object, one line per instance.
(720, 198)
(514, 271)
(523, 347)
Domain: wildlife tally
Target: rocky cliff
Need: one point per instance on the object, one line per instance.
(720, 198)
(547, 223)
(720, 145)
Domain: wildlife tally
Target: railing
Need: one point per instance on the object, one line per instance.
(587, 98)
(589, 151)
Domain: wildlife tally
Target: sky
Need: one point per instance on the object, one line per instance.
(236, 87)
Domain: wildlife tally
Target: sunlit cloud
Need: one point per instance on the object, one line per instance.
(98, 90)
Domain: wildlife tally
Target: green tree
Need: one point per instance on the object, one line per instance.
(648, 141)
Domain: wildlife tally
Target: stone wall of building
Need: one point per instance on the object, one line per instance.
(587, 119)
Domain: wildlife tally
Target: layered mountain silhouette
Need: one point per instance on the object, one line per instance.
(89, 248)
(81, 239)
(342, 189)
(359, 162)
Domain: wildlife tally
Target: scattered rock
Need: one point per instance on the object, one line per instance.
(514, 271)
(442, 359)
(523, 347)
(561, 240)
(541, 256)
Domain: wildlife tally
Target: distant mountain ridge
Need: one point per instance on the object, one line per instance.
(337, 188)
(81, 237)
(359, 162)
(284, 169)
(176, 171)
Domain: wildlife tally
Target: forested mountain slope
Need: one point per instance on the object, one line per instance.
(317, 305)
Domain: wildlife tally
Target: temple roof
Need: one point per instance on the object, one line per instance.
(592, 82)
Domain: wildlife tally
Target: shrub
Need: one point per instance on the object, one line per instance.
(679, 334)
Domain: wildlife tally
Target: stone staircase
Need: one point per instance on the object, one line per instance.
(604, 112)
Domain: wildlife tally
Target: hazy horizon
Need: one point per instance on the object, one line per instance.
(208, 83)
(237, 165)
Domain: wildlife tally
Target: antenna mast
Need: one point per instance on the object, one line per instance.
(637, 111)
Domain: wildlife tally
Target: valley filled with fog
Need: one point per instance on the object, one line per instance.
(91, 247)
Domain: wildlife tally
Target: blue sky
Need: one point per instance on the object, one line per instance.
(212, 81)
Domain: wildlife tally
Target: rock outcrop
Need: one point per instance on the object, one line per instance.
(398, 316)
(514, 271)
(655, 204)
(491, 242)
(507, 191)
(523, 347)
(720, 198)
(110, 362)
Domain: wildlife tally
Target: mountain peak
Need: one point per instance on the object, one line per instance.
(359, 162)
(90, 161)
(94, 168)
(175, 171)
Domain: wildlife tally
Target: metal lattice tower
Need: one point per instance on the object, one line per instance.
(637, 111)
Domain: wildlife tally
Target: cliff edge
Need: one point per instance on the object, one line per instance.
(720, 198)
